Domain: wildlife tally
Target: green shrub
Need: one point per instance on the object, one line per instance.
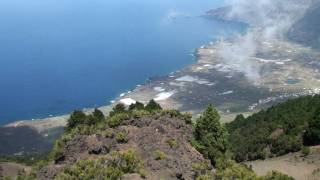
(152, 106)
(186, 117)
(130, 163)
(305, 151)
(108, 134)
(119, 108)
(312, 134)
(139, 113)
(136, 106)
(116, 120)
(23, 175)
(98, 114)
(90, 169)
(76, 118)
(91, 120)
(57, 151)
(171, 112)
(111, 168)
(228, 169)
(207, 176)
(275, 175)
(159, 155)
(201, 169)
(121, 137)
(172, 143)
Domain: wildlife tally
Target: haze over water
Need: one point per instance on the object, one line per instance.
(61, 55)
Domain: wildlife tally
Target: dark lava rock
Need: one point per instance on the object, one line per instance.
(99, 149)
(146, 136)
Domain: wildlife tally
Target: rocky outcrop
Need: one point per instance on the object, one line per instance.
(145, 136)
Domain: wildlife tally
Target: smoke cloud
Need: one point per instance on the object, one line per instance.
(268, 19)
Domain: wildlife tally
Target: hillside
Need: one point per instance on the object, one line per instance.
(162, 144)
(143, 142)
(279, 130)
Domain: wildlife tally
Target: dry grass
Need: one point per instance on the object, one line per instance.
(301, 168)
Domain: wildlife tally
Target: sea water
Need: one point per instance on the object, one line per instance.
(61, 55)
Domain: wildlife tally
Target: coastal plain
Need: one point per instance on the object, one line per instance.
(284, 70)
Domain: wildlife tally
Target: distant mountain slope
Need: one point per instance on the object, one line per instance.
(307, 29)
(279, 130)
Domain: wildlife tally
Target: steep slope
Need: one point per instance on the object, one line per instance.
(279, 130)
(161, 142)
(143, 142)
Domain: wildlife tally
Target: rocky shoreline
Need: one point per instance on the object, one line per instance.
(210, 80)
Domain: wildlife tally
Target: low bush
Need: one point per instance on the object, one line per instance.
(116, 119)
(201, 169)
(111, 168)
(172, 143)
(305, 151)
(275, 175)
(139, 113)
(121, 137)
(159, 155)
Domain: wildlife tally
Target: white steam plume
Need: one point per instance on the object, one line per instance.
(269, 19)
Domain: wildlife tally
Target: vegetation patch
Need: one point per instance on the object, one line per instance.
(121, 137)
(159, 155)
(113, 167)
(279, 130)
(172, 143)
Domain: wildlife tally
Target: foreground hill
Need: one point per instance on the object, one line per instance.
(143, 142)
(160, 141)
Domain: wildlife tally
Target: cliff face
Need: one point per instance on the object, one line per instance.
(307, 30)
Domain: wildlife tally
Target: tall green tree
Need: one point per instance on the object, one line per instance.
(153, 106)
(312, 134)
(119, 108)
(76, 118)
(138, 106)
(211, 136)
(98, 114)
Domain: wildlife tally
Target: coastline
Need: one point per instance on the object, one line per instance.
(211, 80)
(44, 124)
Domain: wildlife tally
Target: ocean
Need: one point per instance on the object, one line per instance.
(61, 55)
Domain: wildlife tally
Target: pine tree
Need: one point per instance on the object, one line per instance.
(312, 135)
(98, 114)
(138, 106)
(76, 118)
(119, 108)
(153, 106)
(211, 136)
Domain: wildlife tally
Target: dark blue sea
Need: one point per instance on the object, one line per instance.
(60, 55)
